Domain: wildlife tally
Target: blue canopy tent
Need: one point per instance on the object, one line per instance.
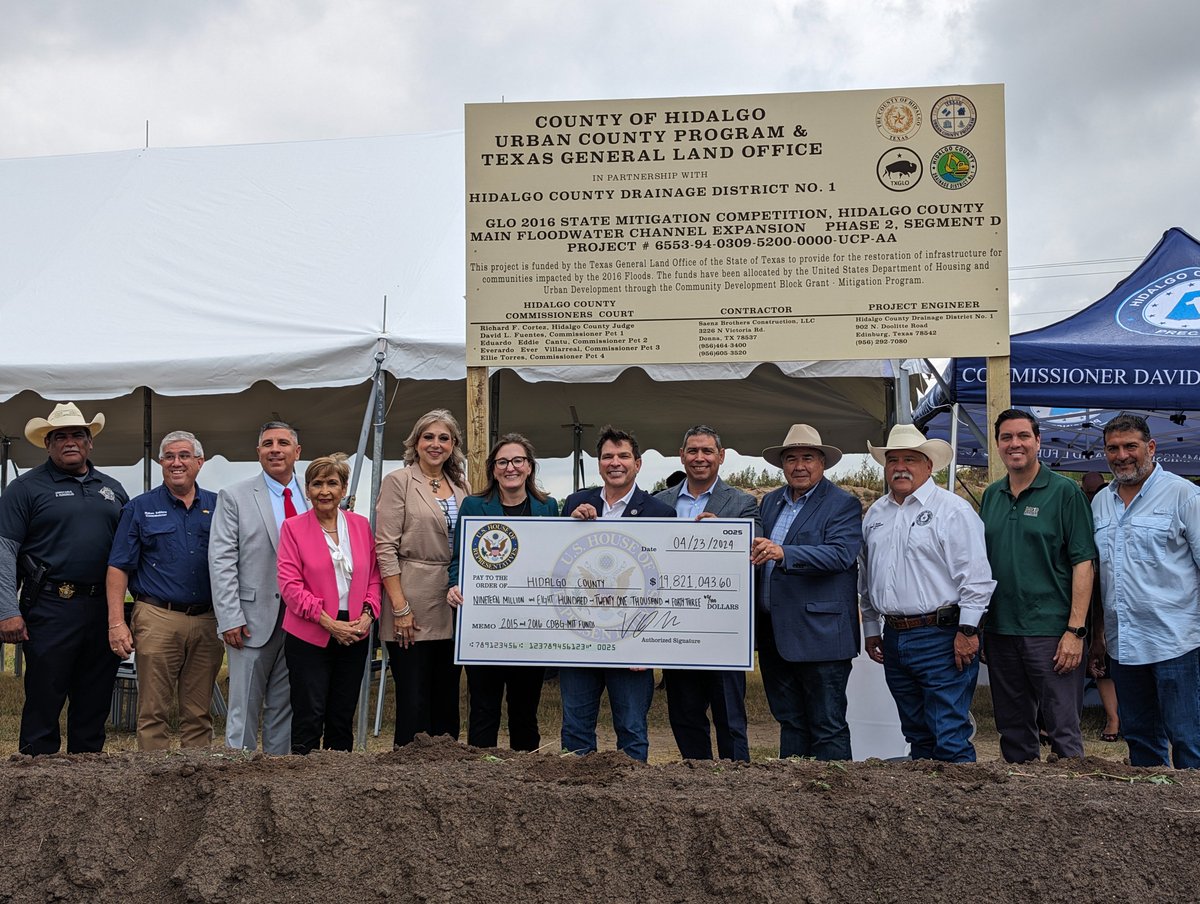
(1136, 349)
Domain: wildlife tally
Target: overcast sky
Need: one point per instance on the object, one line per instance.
(1102, 97)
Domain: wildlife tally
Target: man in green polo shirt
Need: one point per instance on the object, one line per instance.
(1038, 528)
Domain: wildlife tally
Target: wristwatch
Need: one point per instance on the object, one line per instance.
(1078, 632)
(968, 630)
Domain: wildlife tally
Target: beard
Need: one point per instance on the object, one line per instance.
(1136, 475)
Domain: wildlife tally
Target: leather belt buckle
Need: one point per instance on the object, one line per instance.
(66, 590)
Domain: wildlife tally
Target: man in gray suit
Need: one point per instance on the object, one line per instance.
(242, 552)
(691, 692)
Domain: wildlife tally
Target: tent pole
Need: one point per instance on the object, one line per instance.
(376, 405)
(953, 472)
(147, 440)
(903, 397)
(361, 452)
(576, 448)
(5, 451)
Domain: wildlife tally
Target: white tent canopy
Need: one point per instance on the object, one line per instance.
(248, 282)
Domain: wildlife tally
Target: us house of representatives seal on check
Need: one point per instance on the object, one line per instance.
(645, 592)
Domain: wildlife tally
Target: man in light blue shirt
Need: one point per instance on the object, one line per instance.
(1148, 534)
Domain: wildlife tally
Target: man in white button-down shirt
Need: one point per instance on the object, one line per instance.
(925, 575)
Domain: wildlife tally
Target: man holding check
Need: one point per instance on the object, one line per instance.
(630, 691)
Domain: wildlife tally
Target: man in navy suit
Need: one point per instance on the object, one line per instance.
(692, 692)
(808, 628)
(630, 691)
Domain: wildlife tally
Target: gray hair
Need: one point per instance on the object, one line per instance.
(702, 430)
(181, 436)
(277, 425)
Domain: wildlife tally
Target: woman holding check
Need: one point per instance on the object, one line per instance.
(511, 492)
(330, 585)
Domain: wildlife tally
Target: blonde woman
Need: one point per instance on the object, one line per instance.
(414, 534)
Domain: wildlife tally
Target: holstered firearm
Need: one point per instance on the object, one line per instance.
(33, 577)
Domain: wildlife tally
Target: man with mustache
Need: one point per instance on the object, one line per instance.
(1147, 524)
(925, 575)
(56, 527)
(807, 629)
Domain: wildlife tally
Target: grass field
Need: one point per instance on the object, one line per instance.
(763, 730)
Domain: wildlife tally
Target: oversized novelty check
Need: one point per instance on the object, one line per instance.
(621, 592)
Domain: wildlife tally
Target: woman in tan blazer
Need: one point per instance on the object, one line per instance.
(414, 527)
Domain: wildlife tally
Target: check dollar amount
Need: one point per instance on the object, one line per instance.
(624, 592)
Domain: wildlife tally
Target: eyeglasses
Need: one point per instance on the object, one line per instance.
(445, 504)
(182, 457)
(519, 461)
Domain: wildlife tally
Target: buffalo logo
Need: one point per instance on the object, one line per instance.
(953, 116)
(1168, 306)
(898, 118)
(925, 517)
(953, 167)
(494, 546)
(899, 169)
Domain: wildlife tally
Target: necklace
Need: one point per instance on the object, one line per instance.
(436, 483)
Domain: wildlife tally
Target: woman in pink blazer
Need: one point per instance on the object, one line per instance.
(329, 581)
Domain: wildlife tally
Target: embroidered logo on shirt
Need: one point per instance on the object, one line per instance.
(63, 493)
(1031, 511)
(925, 517)
(108, 494)
(156, 514)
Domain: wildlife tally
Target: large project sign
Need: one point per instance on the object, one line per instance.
(782, 227)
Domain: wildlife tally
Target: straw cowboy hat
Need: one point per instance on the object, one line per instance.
(65, 414)
(806, 436)
(907, 437)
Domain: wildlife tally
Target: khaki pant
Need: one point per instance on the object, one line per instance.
(175, 651)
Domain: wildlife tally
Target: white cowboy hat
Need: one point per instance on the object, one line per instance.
(908, 437)
(65, 414)
(806, 436)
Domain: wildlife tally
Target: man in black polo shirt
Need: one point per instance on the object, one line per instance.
(56, 527)
(160, 554)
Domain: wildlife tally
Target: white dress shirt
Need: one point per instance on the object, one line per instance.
(920, 555)
(617, 509)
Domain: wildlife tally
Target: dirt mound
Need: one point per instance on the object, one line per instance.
(438, 821)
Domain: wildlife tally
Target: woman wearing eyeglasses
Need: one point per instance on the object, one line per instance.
(511, 492)
(414, 533)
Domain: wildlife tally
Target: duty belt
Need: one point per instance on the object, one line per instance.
(68, 589)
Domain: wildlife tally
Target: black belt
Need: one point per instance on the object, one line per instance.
(69, 589)
(947, 616)
(193, 609)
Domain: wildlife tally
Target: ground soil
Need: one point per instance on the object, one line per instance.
(439, 821)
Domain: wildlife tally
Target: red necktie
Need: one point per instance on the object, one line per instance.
(289, 509)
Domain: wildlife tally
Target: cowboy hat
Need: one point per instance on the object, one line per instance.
(908, 437)
(65, 414)
(806, 436)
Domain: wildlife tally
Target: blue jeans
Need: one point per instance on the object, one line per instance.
(1159, 706)
(932, 696)
(807, 699)
(629, 694)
